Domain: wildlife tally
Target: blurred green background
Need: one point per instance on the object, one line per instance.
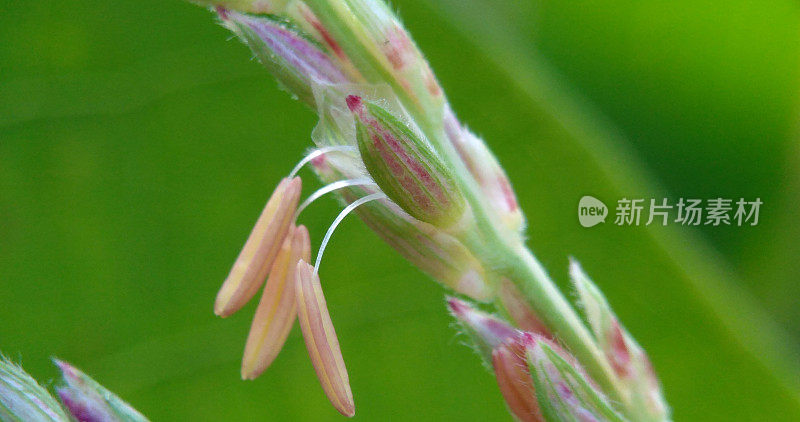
(137, 147)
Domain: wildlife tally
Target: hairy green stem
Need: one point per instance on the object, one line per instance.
(493, 244)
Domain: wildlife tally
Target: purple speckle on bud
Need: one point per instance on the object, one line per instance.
(458, 307)
(501, 329)
(222, 12)
(323, 32)
(354, 103)
(71, 375)
(528, 340)
(80, 409)
(564, 391)
(319, 162)
(299, 53)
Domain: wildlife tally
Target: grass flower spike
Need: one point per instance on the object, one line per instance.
(389, 146)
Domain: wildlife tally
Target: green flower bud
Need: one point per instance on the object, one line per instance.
(487, 332)
(404, 166)
(563, 390)
(87, 400)
(23, 399)
(435, 252)
(624, 354)
(297, 62)
(484, 167)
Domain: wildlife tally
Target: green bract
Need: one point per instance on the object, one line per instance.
(404, 167)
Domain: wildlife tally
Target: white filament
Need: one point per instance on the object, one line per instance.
(330, 188)
(321, 151)
(339, 218)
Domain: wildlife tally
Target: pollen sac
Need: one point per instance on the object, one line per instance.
(405, 167)
(297, 62)
(277, 310)
(321, 340)
(255, 260)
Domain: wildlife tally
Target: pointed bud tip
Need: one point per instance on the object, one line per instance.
(222, 12)
(347, 409)
(528, 340)
(301, 232)
(295, 184)
(486, 331)
(60, 363)
(69, 372)
(457, 307)
(354, 103)
(248, 375)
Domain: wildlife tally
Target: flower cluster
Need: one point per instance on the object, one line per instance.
(540, 380)
(389, 146)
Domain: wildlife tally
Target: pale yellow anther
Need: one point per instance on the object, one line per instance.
(321, 341)
(277, 309)
(256, 258)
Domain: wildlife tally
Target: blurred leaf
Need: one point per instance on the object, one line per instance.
(674, 287)
(137, 147)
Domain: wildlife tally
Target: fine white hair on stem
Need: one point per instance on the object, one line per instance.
(339, 218)
(330, 188)
(318, 152)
